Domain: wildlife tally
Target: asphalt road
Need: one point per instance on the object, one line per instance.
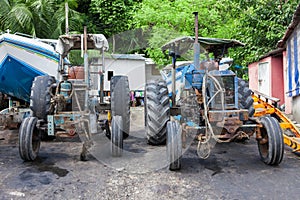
(233, 171)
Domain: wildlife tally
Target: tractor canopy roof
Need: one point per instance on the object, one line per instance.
(219, 47)
(66, 43)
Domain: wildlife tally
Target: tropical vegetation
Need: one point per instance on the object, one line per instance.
(260, 24)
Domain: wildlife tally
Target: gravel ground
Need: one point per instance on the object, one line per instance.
(233, 171)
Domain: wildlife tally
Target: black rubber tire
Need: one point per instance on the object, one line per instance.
(40, 96)
(245, 97)
(3, 102)
(116, 136)
(145, 107)
(157, 113)
(29, 139)
(248, 103)
(271, 152)
(174, 145)
(120, 101)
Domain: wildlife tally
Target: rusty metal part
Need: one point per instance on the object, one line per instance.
(219, 115)
(60, 102)
(258, 134)
(12, 118)
(242, 135)
(199, 96)
(174, 111)
(230, 120)
(231, 124)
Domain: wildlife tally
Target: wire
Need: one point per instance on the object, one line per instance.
(209, 132)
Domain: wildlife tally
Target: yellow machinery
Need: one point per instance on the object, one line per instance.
(265, 105)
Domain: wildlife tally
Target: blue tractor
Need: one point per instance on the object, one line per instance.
(65, 108)
(205, 101)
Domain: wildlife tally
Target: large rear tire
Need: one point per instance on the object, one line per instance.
(174, 145)
(245, 97)
(271, 146)
(40, 96)
(117, 136)
(29, 139)
(157, 111)
(120, 101)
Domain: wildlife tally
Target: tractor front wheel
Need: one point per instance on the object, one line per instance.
(117, 136)
(29, 139)
(271, 145)
(174, 145)
(120, 101)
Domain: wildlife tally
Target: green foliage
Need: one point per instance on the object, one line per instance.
(170, 19)
(258, 23)
(112, 15)
(39, 18)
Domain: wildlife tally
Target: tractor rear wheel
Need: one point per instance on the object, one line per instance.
(174, 145)
(120, 101)
(271, 145)
(29, 139)
(157, 111)
(117, 136)
(245, 97)
(40, 96)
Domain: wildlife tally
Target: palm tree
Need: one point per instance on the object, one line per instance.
(26, 16)
(59, 18)
(39, 18)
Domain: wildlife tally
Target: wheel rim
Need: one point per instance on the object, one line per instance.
(35, 140)
(263, 143)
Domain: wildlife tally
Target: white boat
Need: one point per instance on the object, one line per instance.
(22, 59)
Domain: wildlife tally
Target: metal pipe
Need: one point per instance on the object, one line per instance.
(67, 17)
(174, 80)
(196, 43)
(86, 69)
(102, 68)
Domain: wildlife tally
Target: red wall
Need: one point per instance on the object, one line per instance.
(276, 77)
(253, 76)
(277, 81)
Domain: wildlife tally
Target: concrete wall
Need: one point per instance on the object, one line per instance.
(296, 108)
(152, 73)
(134, 69)
(287, 99)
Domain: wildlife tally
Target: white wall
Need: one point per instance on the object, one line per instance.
(150, 75)
(134, 69)
(295, 108)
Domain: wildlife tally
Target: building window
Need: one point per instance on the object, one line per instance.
(109, 75)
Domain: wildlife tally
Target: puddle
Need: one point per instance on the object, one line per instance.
(51, 168)
(42, 166)
(212, 165)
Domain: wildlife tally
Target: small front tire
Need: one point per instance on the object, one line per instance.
(271, 145)
(117, 136)
(29, 139)
(174, 145)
